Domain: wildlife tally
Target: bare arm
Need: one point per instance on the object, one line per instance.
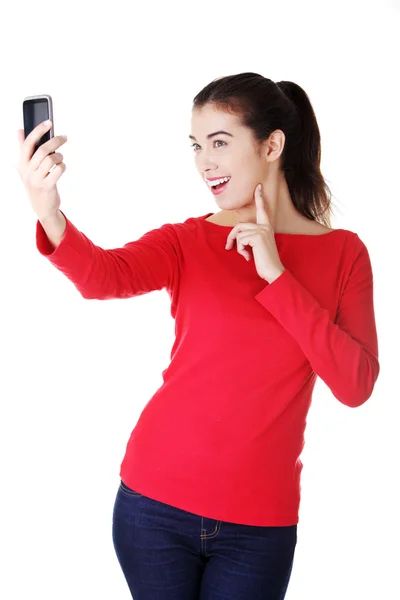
(54, 227)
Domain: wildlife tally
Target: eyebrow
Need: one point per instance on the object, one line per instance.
(210, 135)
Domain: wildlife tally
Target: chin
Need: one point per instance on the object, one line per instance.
(232, 204)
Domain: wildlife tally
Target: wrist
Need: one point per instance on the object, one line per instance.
(50, 218)
(274, 274)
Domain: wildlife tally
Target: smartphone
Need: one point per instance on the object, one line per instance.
(37, 109)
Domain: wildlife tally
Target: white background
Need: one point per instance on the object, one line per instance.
(75, 373)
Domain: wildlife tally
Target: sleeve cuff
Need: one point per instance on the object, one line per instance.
(273, 295)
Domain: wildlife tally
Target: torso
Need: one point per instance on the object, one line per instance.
(305, 227)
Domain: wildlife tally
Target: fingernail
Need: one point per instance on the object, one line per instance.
(47, 123)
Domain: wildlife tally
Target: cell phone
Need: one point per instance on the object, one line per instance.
(37, 109)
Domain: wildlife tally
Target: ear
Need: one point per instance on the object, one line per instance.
(275, 145)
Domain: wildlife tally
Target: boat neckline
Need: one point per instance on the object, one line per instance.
(276, 233)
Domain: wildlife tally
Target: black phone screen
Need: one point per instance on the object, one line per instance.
(36, 111)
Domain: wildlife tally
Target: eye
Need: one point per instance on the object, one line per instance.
(216, 142)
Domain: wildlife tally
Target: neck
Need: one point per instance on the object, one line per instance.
(281, 210)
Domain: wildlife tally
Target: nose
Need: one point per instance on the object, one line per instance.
(209, 172)
(205, 166)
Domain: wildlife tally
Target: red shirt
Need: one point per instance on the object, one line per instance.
(222, 435)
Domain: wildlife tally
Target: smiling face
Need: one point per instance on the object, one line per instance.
(234, 153)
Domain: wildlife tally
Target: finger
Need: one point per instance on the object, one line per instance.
(240, 228)
(261, 211)
(241, 243)
(242, 240)
(242, 251)
(29, 142)
(47, 166)
(20, 137)
(237, 229)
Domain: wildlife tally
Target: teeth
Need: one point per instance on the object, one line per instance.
(217, 181)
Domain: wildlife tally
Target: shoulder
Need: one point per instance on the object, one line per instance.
(318, 229)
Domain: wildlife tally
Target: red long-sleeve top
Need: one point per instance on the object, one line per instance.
(221, 437)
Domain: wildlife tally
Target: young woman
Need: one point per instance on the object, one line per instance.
(266, 297)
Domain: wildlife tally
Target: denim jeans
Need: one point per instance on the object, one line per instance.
(170, 554)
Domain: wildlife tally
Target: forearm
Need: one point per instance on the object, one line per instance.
(54, 227)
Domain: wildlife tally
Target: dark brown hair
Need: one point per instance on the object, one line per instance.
(264, 106)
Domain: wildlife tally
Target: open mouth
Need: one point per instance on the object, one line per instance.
(217, 189)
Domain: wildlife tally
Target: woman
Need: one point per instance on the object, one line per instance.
(266, 297)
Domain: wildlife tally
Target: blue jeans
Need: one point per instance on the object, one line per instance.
(170, 554)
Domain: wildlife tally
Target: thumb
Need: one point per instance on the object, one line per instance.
(21, 137)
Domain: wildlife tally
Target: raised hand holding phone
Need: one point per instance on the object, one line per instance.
(37, 172)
